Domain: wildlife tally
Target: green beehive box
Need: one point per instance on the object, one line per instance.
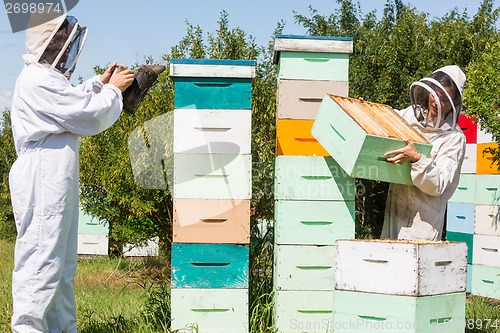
(304, 267)
(374, 313)
(313, 222)
(466, 189)
(488, 190)
(311, 178)
(90, 225)
(312, 57)
(357, 134)
(211, 310)
(485, 281)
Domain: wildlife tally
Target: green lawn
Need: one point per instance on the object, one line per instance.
(127, 296)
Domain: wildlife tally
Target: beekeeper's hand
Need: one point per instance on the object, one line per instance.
(122, 78)
(108, 72)
(407, 154)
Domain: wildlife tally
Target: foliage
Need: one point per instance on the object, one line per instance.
(7, 157)
(482, 98)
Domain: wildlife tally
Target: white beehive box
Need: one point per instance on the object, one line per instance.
(149, 249)
(412, 268)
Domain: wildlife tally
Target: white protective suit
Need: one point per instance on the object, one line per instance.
(418, 212)
(48, 117)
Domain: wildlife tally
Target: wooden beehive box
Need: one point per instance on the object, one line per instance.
(400, 267)
(357, 134)
(212, 83)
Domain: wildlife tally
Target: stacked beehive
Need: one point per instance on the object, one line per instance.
(314, 198)
(400, 286)
(92, 235)
(473, 211)
(212, 192)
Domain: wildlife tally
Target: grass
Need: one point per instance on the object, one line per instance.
(117, 295)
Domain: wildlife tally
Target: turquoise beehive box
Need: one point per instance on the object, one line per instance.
(357, 134)
(209, 265)
(212, 84)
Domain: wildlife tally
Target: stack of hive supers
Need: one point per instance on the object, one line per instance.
(314, 197)
(357, 134)
(92, 235)
(212, 192)
(473, 214)
(400, 286)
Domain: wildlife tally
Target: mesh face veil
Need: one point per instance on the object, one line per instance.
(65, 47)
(436, 104)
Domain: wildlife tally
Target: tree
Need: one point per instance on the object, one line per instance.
(7, 157)
(482, 98)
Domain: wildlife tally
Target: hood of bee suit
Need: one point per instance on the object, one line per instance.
(432, 88)
(55, 44)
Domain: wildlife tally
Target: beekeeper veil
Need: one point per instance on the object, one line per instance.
(437, 99)
(56, 44)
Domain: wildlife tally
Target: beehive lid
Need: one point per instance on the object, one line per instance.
(378, 119)
(212, 68)
(313, 44)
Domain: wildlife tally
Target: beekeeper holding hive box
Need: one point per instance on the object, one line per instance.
(418, 212)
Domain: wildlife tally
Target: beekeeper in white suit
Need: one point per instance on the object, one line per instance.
(418, 212)
(48, 117)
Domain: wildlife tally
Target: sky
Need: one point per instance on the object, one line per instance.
(128, 31)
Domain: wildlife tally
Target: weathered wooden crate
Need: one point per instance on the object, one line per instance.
(357, 134)
(487, 220)
(209, 266)
(485, 164)
(212, 176)
(466, 189)
(212, 84)
(304, 267)
(413, 268)
(311, 178)
(367, 312)
(211, 221)
(463, 238)
(485, 281)
(460, 217)
(488, 189)
(212, 310)
(212, 131)
(92, 244)
(486, 250)
(293, 137)
(469, 163)
(303, 311)
(313, 222)
(300, 99)
(312, 58)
